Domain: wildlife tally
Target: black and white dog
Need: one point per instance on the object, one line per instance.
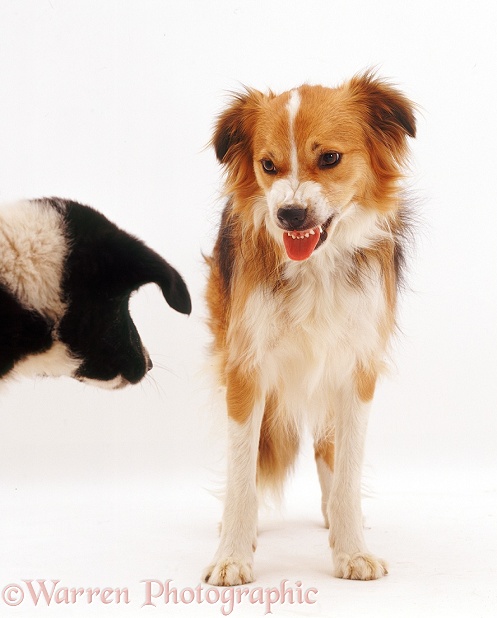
(66, 276)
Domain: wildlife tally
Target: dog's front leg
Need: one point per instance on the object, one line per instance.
(233, 562)
(350, 556)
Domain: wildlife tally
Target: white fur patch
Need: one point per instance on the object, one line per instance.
(308, 346)
(233, 563)
(33, 248)
(115, 384)
(293, 107)
(290, 192)
(55, 362)
(325, 476)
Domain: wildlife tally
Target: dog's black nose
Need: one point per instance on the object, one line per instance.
(150, 364)
(291, 217)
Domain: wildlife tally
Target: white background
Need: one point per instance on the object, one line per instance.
(112, 103)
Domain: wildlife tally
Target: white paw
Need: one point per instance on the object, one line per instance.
(229, 572)
(359, 566)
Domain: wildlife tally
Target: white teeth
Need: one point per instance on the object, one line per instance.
(304, 234)
(301, 235)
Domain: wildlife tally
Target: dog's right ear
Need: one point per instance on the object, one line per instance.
(235, 126)
(232, 141)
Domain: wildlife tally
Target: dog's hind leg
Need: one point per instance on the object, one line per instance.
(278, 447)
(324, 452)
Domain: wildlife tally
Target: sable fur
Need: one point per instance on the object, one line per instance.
(302, 342)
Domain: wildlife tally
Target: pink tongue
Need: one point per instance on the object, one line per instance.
(300, 248)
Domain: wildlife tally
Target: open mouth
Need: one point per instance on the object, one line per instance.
(301, 244)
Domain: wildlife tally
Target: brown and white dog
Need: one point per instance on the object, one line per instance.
(302, 294)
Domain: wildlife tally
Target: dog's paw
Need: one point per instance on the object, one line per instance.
(229, 572)
(359, 566)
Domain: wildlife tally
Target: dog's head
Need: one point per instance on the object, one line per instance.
(313, 152)
(72, 312)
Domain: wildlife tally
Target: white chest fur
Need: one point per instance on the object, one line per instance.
(305, 340)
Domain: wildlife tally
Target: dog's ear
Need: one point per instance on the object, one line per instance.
(108, 261)
(235, 126)
(232, 140)
(388, 113)
(149, 267)
(126, 263)
(135, 264)
(388, 120)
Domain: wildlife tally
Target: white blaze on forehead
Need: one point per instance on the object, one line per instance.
(291, 190)
(293, 107)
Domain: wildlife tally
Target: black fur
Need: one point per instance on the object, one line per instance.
(104, 266)
(226, 254)
(404, 240)
(22, 332)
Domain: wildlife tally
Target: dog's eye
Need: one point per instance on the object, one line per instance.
(268, 166)
(329, 159)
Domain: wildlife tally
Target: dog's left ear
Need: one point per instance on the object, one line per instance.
(387, 111)
(106, 260)
(147, 266)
